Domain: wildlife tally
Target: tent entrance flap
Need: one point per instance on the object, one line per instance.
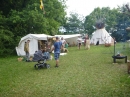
(42, 44)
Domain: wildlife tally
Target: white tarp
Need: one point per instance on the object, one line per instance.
(102, 36)
(71, 39)
(33, 45)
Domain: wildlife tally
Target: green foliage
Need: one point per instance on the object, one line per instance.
(89, 24)
(123, 21)
(6, 37)
(25, 16)
(74, 24)
(105, 14)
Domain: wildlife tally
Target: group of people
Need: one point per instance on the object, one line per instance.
(60, 44)
(86, 42)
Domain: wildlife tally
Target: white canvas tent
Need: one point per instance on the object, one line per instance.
(102, 36)
(33, 45)
(71, 39)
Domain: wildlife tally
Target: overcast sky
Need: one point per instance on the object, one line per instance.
(85, 7)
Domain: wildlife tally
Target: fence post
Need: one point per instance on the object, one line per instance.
(128, 66)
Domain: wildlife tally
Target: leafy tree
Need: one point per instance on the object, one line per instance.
(26, 17)
(123, 21)
(6, 37)
(74, 24)
(7, 5)
(105, 15)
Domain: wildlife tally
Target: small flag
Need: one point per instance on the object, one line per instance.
(42, 6)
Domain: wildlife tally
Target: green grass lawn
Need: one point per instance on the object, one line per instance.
(82, 73)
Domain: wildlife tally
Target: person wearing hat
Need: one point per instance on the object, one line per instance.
(57, 47)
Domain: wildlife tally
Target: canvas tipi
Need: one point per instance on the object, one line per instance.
(101, 36)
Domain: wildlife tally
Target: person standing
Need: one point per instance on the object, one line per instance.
(57, 47)
(26, 49)
(66, 47)
(79, 40)
(87, 42)
(63, 41)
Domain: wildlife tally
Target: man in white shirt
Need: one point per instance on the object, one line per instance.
(63, 41)
(79, 41)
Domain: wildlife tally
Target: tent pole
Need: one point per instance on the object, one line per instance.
(114, 47)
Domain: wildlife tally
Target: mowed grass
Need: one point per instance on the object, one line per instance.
(82, 73)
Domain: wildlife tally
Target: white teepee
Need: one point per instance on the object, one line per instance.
(102, 36)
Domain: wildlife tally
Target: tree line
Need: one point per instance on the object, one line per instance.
(116, 21)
